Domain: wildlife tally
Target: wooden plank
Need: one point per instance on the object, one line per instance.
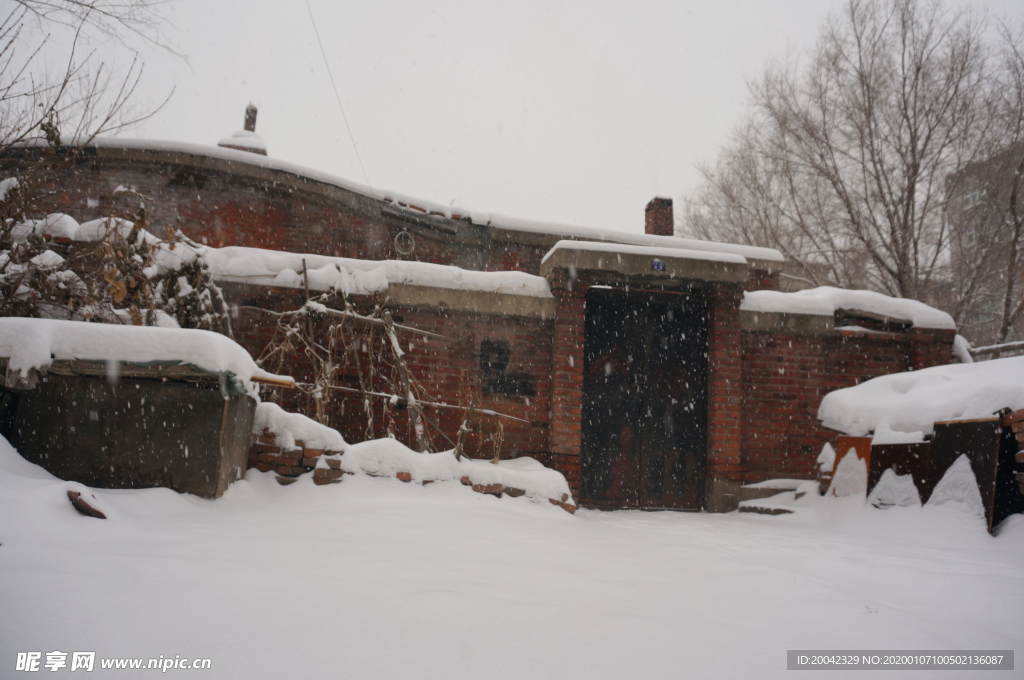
(273, 382)
(861, 447)
(903, 459)
(979, 439)
(1009, 498)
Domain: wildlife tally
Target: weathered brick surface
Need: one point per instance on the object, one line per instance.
(567, 374)
(786, 376)
(445, 368)
(724, 382)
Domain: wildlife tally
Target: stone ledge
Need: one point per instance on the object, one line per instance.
(811, 325)
(473, 301)
(674, 267)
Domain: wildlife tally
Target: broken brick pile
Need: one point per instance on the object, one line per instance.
(496, 490)
(266, 455)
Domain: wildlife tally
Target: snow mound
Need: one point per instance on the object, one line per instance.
(826, 300)
(893, 489)
(884, 434)
(95, 230)
(388, 458)
(244, 139)
(287, 427)
(7, 186)
(914, 400)
(962, 350)
(850, 478)
(32, 344)
(826, 460)
(959, 486)
(59, 225)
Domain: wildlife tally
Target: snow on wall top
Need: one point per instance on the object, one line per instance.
(35, 343)
(825, 301)
(291, 426)
(360, 277)
(477, 217)
(913, 401)
(276, 268)
(647, 251)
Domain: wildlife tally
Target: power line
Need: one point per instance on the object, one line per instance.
(338, 97)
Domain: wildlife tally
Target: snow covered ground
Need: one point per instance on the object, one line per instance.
(373, 578)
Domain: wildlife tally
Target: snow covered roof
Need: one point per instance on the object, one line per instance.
(914, 400)
(32, 344)
(825, 301)
(757, 257)
(630, 260)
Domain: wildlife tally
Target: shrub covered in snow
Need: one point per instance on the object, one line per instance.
(112, 270)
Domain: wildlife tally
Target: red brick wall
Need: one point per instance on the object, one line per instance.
(786, 376)
(567, 374)
(441, 367)
(724, 383)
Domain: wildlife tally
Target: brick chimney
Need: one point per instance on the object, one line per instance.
(247, 139)
(250, 118)
(659, 218)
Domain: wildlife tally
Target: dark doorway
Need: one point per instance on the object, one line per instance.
(644, 430)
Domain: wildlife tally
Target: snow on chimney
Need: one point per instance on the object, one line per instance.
(659, 218)
(247, 139)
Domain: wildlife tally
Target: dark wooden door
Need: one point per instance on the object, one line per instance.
(644, 429)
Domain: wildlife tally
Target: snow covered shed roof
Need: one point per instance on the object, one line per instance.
(31, 345)
(502, 228)
(915, 400)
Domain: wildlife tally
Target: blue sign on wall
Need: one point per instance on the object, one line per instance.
(658, 265)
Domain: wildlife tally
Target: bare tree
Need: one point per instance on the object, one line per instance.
(46, 116)
(118, 20)
(68, 107)
(843, 159)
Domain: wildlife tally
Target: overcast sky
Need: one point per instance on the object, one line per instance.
(577, 113)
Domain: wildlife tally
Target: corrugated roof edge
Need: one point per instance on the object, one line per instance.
(759, 257)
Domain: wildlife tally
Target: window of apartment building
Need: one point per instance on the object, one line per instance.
(970, 238)
(972, 198)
